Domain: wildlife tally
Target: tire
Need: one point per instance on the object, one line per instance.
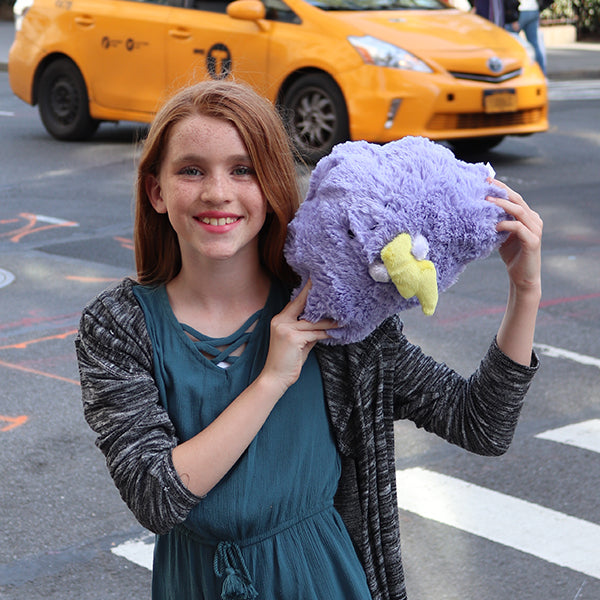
(63, 102)
(315, 113)
(476, 145)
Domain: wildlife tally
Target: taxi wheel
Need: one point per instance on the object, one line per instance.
(476, 145)
(63, 102)
(315, 111)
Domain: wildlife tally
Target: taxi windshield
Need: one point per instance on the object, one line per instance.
(378, 4)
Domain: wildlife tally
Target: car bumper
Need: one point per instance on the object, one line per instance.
(23, 58)
(386, 104)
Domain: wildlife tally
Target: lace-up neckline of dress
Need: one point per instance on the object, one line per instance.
(220, 351)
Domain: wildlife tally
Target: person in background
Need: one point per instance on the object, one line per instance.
(492, 10)
(526, 18)
(511, 16)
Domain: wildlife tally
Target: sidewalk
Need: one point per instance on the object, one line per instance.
(565, 62)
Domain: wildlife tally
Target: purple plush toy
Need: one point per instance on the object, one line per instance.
(385, 227)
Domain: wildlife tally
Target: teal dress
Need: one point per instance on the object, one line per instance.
(269, 529)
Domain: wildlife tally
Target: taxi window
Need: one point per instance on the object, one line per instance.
(362, 5)
(178, 3)
(218, 6)
(277, 10)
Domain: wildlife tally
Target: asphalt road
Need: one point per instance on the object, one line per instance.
(525, 526)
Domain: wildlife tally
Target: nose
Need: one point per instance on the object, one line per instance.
(216, 188)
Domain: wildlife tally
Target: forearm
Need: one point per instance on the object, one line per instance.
(478, 414)
(516, 333)
(205, 459)
(521, 253)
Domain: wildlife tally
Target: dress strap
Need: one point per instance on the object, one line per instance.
(230, 564)
(212, 346)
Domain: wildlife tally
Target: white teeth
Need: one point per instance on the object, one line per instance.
(219, 222)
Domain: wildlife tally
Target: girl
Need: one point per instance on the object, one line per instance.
(263, 460)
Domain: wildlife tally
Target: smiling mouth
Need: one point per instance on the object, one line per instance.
(217, 221)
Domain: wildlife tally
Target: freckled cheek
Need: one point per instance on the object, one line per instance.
(182, 199)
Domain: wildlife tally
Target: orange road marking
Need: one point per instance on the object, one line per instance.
(13, 422)
(30, 226)
(22, 345)
(36, 372)
(125, 242)
(92, 279)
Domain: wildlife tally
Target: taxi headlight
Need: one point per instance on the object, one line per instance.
(20, 9)
(380, 53)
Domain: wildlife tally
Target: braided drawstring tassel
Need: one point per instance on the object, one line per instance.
(229, 563)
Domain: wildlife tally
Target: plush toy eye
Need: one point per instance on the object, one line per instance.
(351, 234)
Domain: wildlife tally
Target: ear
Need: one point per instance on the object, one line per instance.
(154, 194)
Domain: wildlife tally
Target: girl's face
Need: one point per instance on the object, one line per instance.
(208, 187)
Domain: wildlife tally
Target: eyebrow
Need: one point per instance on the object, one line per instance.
(197, 158)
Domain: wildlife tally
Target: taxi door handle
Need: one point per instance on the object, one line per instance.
(85, 20)
(180, 33)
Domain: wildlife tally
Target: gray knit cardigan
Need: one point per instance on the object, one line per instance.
(367, 386)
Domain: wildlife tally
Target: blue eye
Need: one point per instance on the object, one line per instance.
(190, 171)
(243, 170)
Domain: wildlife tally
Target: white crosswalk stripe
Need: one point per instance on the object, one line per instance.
(584, 89)
(554, 352)
(584, 435)
(139, 551)
(542, 532)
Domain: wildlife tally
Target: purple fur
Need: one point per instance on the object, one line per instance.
(361, 197)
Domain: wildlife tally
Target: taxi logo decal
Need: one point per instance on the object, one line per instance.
(130, 43)
(108, 43)
(218, 61)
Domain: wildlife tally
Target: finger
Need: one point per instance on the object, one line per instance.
(324, 324)
(522, 214)
(295, 307)
(513, 196)
(529, 235)
(516, 206)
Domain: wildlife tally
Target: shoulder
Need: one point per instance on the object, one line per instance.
(115, 320)
(115, 299)
(116, 304)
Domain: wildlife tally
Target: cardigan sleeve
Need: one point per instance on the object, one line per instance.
(478, 413)
(121, 405)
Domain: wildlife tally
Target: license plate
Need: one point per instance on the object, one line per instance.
(498, 101)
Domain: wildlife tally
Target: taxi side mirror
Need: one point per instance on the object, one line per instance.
(246, 10)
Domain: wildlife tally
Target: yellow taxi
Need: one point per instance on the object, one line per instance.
(375, 70)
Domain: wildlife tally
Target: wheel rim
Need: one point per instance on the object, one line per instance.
(64, 101)
(314, 119)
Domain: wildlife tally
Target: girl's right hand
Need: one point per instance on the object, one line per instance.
(292, 339)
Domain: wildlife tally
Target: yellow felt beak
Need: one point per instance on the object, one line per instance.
(412, 277)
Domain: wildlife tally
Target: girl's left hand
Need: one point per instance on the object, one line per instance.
(521, 252)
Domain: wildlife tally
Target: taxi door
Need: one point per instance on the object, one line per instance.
(203, 42)
(123, 43)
